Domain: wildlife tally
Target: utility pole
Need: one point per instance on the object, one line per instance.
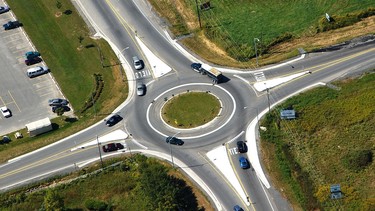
(199, 15)
(170, 148)
(256, 50)
(100, 153)
(268, 97)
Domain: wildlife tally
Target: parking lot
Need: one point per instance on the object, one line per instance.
(26, 98)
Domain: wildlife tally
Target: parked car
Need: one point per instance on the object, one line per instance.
(54, 108)
(174, 140)
(138, 64)
(112, 147)
(34, 60)
(58, 102)
(141, 89)
(36, 71)
(5, 112)
(4, 9)
(11, 25)
(237, 208)
(244, 163)
(32, 54)
(5, 140)
(113, 120)
(241, 146)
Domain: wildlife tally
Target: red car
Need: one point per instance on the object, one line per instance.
(33, 60)
(112, 147)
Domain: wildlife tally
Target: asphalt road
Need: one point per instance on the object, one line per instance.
(118, 21)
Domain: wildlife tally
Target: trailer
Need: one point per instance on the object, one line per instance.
(39, 127)
(211, 72)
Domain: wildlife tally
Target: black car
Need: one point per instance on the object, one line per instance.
(196, 67)
(113, 120)
(112, 147)
(58, 102)
(241, 146)
(4, 9)
(33, 60)
(174, 140)
(11, 25)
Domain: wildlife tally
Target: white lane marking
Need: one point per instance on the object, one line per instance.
(198, 136)
(38, 176)
(268, 199)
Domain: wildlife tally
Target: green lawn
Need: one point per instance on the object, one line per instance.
(233, 25)
(191, 109)
(331, 142)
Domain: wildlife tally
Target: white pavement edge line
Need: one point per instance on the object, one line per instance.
(177, 162)
(225, 70)
(41, 175)
(191, 84)
(250, 136)
(265, 193)
(233, 139)
(280, 65)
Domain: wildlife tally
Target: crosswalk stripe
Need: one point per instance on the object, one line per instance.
(259, 76)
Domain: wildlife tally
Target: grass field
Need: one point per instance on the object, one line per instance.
(125, 184)
(229, 28)
(73, 57)
(331, 142)
(190, 109)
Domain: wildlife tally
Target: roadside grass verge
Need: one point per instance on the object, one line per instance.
(331, 142)
(228, 29)
(124, 184)
(190, 109)
(73, 57)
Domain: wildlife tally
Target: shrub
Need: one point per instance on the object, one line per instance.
(358, 160)
(93, 204)
(342, 21)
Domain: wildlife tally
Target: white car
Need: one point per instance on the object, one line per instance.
(5, 111)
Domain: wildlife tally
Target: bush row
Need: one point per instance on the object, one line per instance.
(99, 85)
(338, 21)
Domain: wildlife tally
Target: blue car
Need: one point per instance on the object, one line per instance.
(31, 54)
(244, 163)
(237, 208)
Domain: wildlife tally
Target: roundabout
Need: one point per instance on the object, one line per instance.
(225, 114)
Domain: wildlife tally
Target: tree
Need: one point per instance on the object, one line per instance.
(60, 111)
(53, 201)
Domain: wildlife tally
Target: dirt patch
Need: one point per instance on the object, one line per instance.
(367, 26)
(188, 16)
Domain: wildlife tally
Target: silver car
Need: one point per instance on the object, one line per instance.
(138, 64)
(141, 89)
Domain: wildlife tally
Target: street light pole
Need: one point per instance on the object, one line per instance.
(100, 153)
(199, 15)
(256, 50)
(268, 97)
(170, 148)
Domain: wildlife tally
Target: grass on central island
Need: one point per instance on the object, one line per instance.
(191, 110)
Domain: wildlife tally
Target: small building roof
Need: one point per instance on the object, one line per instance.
(38, 124)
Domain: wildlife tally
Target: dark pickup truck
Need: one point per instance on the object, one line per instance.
(12, 25)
